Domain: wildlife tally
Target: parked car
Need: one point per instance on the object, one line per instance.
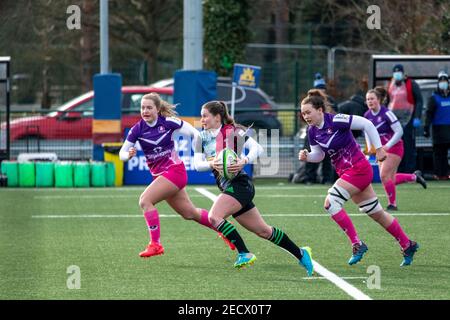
(252, 106)
(73, 120)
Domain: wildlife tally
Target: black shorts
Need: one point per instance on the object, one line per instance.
(241, 188)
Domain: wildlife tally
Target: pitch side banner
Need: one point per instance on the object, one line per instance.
(136, 171)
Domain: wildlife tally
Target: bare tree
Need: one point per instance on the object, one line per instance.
(408, 27)
(88, 43)
(145, 25)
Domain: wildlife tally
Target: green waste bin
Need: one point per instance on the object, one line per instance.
(110, 174)
(82, 173)
(98, 174)
(45, 174)
(111, 154)
(11, 170)
(64, 174)
(27, 174)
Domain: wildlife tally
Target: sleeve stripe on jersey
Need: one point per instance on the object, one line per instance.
(341, 118)
(175, 120)
(391, 116)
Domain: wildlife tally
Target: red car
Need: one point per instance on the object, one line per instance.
(73, 120)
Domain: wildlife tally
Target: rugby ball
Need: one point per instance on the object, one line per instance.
(227, 157)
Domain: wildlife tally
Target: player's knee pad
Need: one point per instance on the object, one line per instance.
(370, 206)
(336, 197)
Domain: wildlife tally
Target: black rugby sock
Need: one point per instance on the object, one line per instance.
(229, 231)
(282, 240)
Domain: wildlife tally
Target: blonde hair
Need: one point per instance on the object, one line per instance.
(164, 108)
(318, 100)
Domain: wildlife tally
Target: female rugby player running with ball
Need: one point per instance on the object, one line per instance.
(236, 198)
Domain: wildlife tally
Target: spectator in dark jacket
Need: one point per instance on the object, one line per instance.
(438, 118)
(319, 83)
(356, 105)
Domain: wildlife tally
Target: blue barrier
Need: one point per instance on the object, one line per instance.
(106, 125)
(376, 170)
(192, 89)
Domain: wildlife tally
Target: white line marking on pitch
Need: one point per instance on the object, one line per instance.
(313, 215)
(323, 278)
(93, 196)
(319, 215)
(297, 196)
(111, 196)
(206, 193)
(261, 187)
(324, 187)
(340, 283)
(88, 216)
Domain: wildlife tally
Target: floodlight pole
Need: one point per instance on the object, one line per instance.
(233, 98)
(104, 37)
(5, 82)
(192, 35)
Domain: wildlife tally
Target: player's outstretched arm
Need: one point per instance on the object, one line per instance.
(127, 151)
(316, 154)
(360, 123)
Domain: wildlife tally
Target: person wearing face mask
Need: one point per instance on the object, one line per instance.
(438, 118)
(404, 99)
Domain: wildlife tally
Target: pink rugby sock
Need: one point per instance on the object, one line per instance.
(152, 219)
(397, 232)
(346, 224)
(404, 177)
(204, 219)
(389, 187)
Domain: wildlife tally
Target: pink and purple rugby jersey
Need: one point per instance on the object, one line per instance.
(383, 121)
(336, 139)
(157, 143)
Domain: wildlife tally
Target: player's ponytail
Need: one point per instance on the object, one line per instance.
(226, 118)
(381, 94)
(167, 109)
(164, 108)
(318, 100)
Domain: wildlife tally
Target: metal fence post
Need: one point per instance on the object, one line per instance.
(296, 93)
(310, 53)
(145, 72)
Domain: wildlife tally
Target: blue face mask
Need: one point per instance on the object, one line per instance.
(398, 76)
(443, 85)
